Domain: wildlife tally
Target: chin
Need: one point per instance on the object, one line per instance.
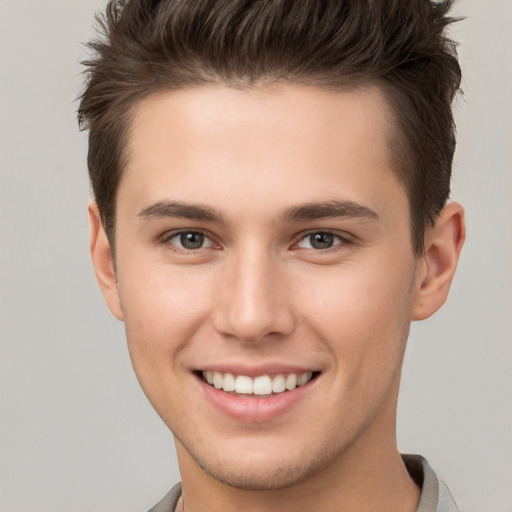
(267, 471)
(259, 479)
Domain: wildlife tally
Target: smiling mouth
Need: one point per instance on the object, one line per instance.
(260, 386)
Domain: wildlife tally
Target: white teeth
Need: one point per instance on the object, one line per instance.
(229, 382)
(218, 380)
(243, 384)
(261, 385)
(303, 378)
(291, 381)
(278, 384)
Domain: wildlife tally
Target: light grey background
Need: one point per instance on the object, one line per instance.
(76, 433)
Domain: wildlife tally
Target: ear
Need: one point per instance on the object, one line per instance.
(103, 262)
(436, 268)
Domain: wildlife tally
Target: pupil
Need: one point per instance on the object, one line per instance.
(192, 240)
(321, 240)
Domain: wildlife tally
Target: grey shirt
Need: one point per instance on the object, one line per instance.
(435, 496)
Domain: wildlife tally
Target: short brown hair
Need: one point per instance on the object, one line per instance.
(147, 46)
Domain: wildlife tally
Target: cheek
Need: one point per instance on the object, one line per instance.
(362, 312)
(163, 311)
(163, 308)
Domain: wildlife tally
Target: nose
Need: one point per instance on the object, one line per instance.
(253, 304)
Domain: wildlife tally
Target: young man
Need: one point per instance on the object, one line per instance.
(271, 182)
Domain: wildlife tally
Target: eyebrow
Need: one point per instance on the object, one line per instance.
(300, 213)
(327, 210)
(162, 209)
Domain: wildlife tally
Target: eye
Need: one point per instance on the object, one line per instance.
(320, 240)
(190, 240)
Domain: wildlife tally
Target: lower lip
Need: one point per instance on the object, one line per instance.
(253, 409)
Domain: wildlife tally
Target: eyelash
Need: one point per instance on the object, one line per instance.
(341, 241)
(166, 239)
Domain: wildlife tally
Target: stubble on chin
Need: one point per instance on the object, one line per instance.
(262, 475)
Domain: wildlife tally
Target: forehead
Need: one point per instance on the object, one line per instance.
(279, 144)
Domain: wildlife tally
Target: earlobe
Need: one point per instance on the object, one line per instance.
(443, 243)
(103, 262)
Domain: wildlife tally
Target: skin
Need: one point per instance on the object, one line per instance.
(258, 294)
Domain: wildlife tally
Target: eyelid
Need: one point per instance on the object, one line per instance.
(344, 239)
(168, 235)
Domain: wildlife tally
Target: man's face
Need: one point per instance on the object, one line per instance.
(263, 234)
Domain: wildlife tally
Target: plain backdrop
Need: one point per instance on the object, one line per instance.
(76, 433)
